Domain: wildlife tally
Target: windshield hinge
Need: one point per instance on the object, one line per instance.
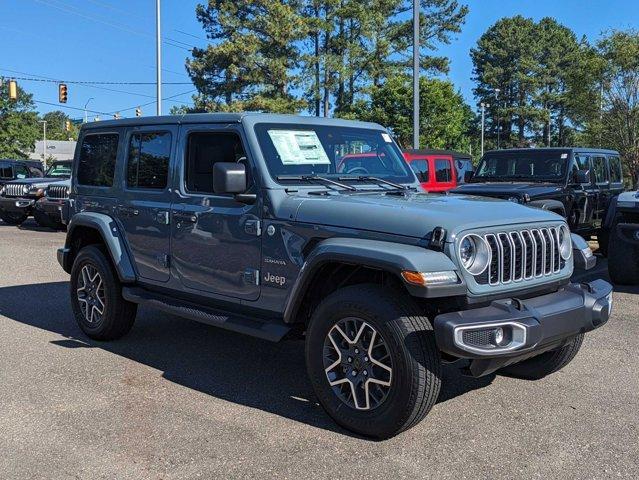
(253, 227)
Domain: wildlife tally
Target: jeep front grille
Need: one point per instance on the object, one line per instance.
(522, 255)
(58, 191)
(14, 189)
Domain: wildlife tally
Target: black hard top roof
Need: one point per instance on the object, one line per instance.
(557, 149)
(435, 151)
(16, 160)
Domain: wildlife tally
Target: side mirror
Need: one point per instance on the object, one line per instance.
(582, 177)
(229, 177)
(468, 175)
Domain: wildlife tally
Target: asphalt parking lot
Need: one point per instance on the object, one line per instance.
(176, 399)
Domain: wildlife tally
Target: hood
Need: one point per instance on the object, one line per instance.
(38, 180)
(506, 189)
(415, 214)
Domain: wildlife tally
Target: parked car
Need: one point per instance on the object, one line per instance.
(387, 282)
(19, 169)
(47, 210)
(622, 227)
(18, 197)
(435, 169)
(576, 183)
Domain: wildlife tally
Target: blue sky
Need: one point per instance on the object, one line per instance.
(113, 41)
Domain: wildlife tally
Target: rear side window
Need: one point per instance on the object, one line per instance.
(615, 169)
(97, 159)
(600, 170)
(442, 171)
(6, 172)
(420, 167)
(148, 162)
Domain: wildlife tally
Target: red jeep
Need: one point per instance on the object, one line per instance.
(437, 170)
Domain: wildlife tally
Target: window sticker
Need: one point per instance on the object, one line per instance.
(387, 138)
(299, 147)
(564, 156)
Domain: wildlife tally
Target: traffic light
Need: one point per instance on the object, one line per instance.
(138, 112)
(62, 93)
(117, 116)
(67, 125)
(13, 90)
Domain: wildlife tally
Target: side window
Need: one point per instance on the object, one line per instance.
(420, 167)
(34, 172)
(6, 172)
(205, 149)
(600, 169)
(21, 171)
(98, 153)
(616, 175)
(442, 171)
(148, 160)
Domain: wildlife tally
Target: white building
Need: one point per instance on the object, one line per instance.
(56, 149)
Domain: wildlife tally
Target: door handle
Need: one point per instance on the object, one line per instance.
(185, 217)
(128, 211)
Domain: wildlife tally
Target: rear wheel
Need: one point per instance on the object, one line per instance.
(372, 360)
(11, 218)
(546, 363)
(96, 297)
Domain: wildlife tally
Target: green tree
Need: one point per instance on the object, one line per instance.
(446, 121)
(56, 126)
(19, 127)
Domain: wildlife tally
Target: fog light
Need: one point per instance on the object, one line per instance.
(498, 336)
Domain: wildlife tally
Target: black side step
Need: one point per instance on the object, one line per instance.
(271, 330)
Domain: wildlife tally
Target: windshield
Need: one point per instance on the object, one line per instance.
(331, 151)
(533, 165)
(59, 170)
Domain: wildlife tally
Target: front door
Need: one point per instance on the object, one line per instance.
(216, 245)
(145, 204)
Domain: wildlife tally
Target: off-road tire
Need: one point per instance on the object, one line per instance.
(45, 221)
(416, 363)
(623, 259)
(119, 314)
(13, 218)
(548, 362)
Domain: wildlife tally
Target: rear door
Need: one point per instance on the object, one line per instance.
(144, 207)
(616, 175)
(602, 184)
(444, 174)
(215, 243)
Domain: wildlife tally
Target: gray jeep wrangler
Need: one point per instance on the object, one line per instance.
(254, 223)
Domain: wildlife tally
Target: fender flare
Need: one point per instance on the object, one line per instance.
(611, 214)
(113, 240)
(388, 256)
(550, 205)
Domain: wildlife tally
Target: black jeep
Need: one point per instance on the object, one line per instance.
(18, 197)
(576, 183)
(19, 169)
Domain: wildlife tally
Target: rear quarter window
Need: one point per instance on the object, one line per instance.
(96, 163)
(442, 170)
(616, 175)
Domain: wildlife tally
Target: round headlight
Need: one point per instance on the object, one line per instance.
(514, 199)
(565, 242)
(474, 254)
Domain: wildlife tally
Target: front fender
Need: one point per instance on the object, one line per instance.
(387, 256)
(549, 204)
(110, 233)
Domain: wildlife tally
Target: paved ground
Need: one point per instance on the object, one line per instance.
(176, 399)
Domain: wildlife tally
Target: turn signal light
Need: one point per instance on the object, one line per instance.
(430, 278)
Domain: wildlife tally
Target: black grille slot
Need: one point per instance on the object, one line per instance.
(549, 251)
(507, 257)
(539, 252)
(493, 268)
(518, 255)
(530, 253)
(57, 191)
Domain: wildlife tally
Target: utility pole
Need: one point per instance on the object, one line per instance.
(416, 74)
(158, 53)
(86, 119)
(484, 106)
(549, 121)
(497, 90)
(44, 142)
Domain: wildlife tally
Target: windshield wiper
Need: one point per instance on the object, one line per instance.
(316, 178)
(382, 181)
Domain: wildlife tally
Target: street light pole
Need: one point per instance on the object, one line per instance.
(86, 119)
(416, 74)
(44, 142)
(158, 54)
(484, 106)
(497, 90)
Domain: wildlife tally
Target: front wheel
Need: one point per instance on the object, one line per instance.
(44, 220)
(549, 362)
(372, 360)
(13, 218)
(96, 296)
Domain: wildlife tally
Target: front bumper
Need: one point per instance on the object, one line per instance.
(527, 327)
(16, 205)
(51, 207)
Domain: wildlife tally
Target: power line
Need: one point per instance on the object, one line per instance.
(70, 107)
(93, 82)
(151, 103)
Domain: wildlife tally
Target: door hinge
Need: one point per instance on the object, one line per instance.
(164, 260)
(253, 227)
(251, 276)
